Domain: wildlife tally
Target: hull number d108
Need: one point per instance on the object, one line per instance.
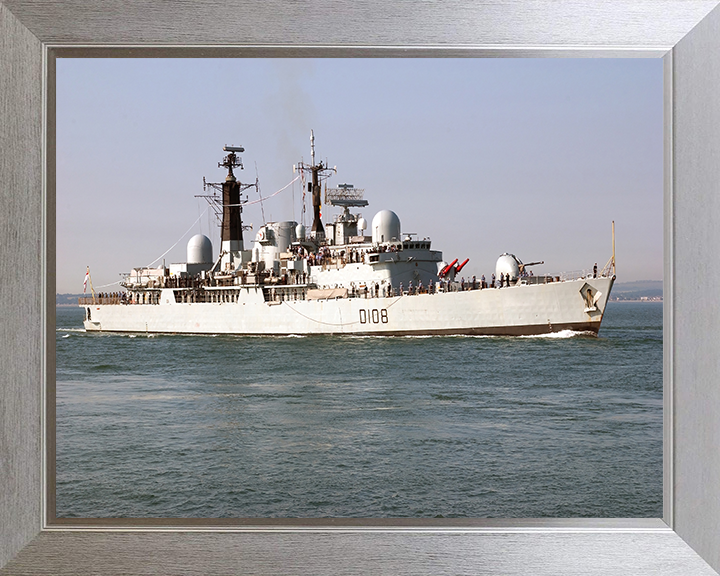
(373, 316)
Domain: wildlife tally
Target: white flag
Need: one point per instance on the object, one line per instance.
(87, 275)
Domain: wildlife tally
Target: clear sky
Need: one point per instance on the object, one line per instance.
(530, 156)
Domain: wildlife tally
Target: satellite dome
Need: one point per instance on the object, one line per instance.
(508, 264)
(300, 232)
(385, 227)
(362, 224)
(199, 250)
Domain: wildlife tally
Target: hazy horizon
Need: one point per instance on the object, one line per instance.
(534, 157)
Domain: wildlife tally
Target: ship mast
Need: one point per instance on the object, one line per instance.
(231, 235)
(319, 172)
(229, 208)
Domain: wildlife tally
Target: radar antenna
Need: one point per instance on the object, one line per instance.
(231, 160)
(345, 195)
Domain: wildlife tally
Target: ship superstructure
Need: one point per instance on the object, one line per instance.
(339, 278)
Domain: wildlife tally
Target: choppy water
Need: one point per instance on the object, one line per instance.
(188, 426)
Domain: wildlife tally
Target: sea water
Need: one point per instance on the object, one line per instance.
(565, 425)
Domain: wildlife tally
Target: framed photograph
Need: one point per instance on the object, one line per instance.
(400, 390)
(684, 540)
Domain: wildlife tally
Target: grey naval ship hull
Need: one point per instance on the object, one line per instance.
(508, 311)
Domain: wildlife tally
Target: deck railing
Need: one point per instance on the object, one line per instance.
(90, 301)
(580, 274)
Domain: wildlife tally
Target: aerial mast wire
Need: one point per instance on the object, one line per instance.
(257, 186)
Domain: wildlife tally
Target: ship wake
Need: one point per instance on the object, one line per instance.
(562, 334)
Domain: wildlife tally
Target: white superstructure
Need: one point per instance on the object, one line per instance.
(337, 280)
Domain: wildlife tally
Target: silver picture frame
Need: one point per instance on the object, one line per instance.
(685, 33)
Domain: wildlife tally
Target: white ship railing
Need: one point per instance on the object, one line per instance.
(575, 275)
(89, 300)
(584, 274)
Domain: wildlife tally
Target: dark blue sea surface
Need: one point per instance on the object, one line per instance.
(189, 426)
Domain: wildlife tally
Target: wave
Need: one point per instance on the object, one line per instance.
(561, 334)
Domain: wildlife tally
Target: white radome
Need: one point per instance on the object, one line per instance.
(199, 250)
(385, 227)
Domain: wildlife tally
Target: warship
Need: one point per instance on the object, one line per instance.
(339, 278)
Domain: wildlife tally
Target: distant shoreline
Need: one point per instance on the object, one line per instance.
(646, 301)
(611, 300)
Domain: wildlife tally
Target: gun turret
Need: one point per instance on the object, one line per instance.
(523, 266)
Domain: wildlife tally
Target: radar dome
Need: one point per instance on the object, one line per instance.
(362, 224)
(385, 227)
(300, 232)
(199, 250)
(508, 264)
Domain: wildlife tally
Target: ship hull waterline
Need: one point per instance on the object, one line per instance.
(524, 310)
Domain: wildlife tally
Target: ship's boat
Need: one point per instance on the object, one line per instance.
(340, 278)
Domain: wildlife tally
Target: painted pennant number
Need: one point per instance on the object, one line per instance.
(373, 316)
